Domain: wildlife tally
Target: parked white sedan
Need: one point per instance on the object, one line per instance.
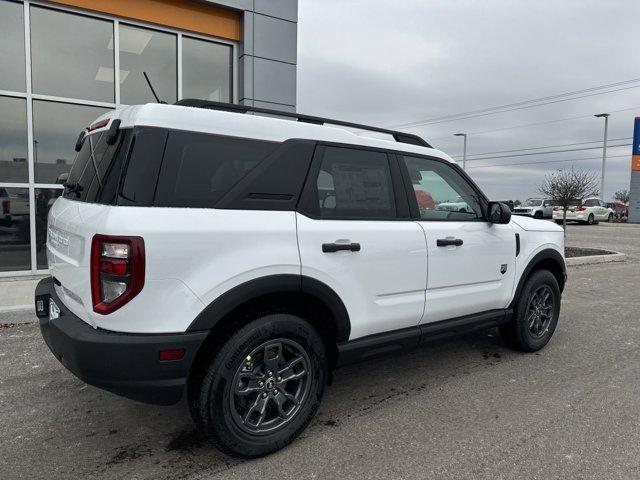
(589, 211)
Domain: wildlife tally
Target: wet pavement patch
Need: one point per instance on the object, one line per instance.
(187, 441)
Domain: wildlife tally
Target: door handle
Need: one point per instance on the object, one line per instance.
(447, 242)
(336, 247)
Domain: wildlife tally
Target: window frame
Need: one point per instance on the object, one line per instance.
(411, 197)
(307, 205)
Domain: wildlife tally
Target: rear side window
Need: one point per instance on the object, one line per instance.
(199, 168)
(352, 184)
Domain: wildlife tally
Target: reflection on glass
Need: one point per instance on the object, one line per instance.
(12, 73)
(71, 55)
(55, 130)
(44, 200)
(206, 70)
(13, 140)
(14, 229)
(144, 50)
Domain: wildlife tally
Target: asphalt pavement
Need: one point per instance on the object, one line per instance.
(466, 408)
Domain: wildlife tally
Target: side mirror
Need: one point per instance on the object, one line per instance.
(499, 213)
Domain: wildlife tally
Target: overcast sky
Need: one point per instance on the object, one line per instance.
(392, 62)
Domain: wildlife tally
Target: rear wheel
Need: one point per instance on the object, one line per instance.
(261, 387)
(536, 314)
(590, 219)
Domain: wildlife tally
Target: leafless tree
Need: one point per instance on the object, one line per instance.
(564, 187)
(622, 196)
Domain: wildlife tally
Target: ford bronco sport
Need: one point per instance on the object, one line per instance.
(241, 258)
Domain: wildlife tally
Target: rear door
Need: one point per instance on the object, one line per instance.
(471, 261)
(355, 235)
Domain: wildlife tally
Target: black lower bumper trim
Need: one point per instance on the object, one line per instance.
(125, 364)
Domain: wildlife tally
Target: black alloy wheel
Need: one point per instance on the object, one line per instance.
(540, 311)
(255, 389)
(270, 386)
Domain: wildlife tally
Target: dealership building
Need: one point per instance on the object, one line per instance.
(64, 63)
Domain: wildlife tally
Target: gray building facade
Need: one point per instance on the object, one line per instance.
(63, 63)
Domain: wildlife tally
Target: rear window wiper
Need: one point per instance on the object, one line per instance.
(71, 187)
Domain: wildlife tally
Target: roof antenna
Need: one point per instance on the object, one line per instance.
(151, 87)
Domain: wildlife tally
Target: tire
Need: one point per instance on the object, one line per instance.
(610, 218)
(251, 424)
(538, 215)
(519, 333)
(590, 219)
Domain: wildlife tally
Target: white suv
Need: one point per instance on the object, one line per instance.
(243, 257)
(589, 211)
(536, 208)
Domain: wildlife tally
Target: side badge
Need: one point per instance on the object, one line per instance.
(503, 268)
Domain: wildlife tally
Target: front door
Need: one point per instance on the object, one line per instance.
(471, 262)
(355, 235)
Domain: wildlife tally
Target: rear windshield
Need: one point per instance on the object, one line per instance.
(94, 176)
(592, 202)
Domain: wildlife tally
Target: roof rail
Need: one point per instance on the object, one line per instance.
(401, 137)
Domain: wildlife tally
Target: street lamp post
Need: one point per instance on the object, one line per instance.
(604, 151)
(464, 148)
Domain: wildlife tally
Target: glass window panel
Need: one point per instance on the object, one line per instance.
(206, 70)
(441, 192)
(44, 199)
(354, 183)
(56, 127)
(13, 140)
(144, 50)
(15, 253)
(71, 55)
(12, 67)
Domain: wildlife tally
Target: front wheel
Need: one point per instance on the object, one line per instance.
(610, 218)
(536, 314)
(262, 386)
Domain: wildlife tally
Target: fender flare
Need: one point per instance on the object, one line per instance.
(546, 254)
(284, 283)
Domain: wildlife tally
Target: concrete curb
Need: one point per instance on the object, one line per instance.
(594, 259)
(623, 225)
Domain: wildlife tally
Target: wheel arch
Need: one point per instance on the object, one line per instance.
(307, 297)
(547, 259)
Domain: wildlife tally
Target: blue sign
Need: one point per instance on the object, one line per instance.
(636, 137)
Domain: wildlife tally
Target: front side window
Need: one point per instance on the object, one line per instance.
(441, 192)
(354, 184)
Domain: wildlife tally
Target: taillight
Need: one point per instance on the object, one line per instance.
(117, 271)
(581, 209)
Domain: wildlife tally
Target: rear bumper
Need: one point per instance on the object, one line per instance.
(122, 363)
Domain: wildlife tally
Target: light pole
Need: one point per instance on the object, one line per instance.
(464, 148)
(604, 151)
